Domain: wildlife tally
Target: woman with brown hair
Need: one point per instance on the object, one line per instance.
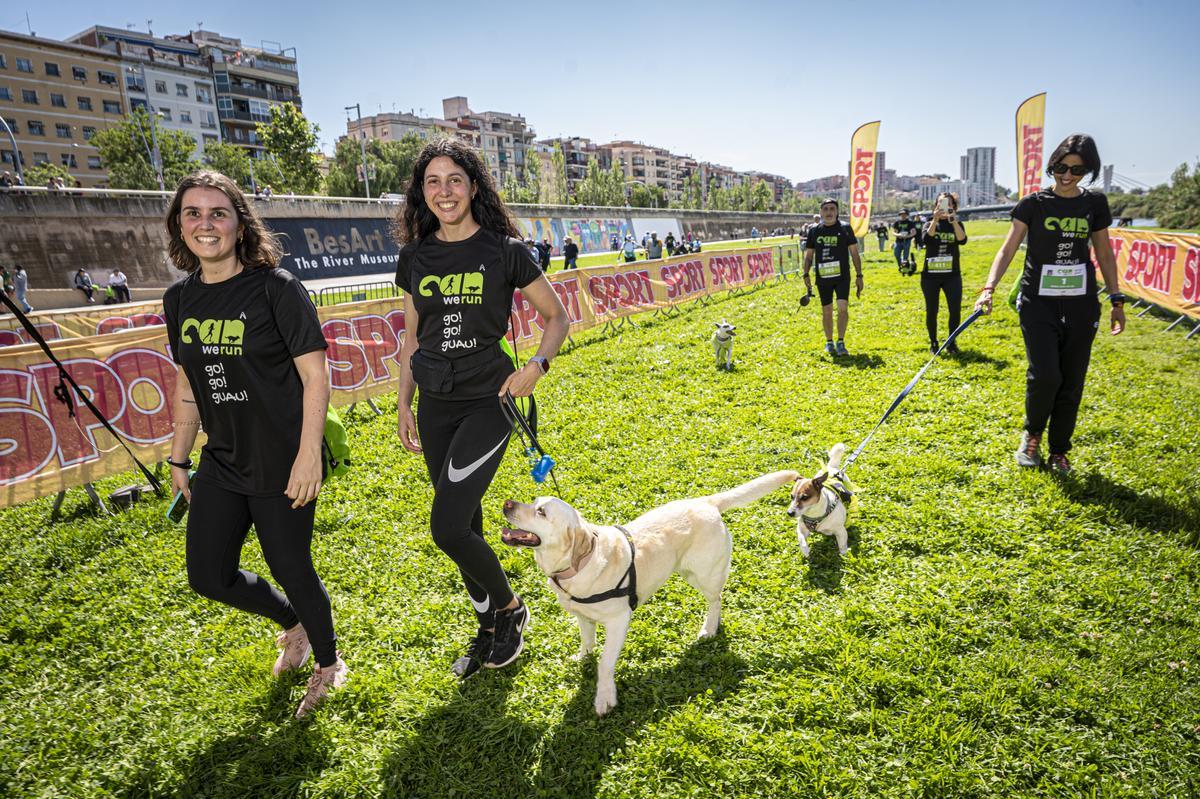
(462, 260)
(943, 235)
(251, 361)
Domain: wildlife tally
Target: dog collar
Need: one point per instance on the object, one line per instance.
(574, 568)
(630, 580)
(832, 499)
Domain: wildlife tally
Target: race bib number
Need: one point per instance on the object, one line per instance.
(829, 269)
(939, 264)
(1063, 280)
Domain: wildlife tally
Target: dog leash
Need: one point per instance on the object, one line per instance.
(921, 373)
(544, 464)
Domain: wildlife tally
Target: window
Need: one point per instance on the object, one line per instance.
(260, 111)
(68, 160)
(208, 119)
(203, 94)
(88, 133)
(181, 90)
(24, 65)
(165, 113)
(3, 61)
(52, 69)
(63, 131)
(79, 74)
(160, 86)
(85, 103)
(6, 157)
(94, 162)
(134, 82)
(138, 102)
(29, 96)
(185, 116)
(12, 123)
(35, 128)
(58, 101)
(41, 158)
(224, 104)
(5, 94)
(107, 77)
(209, 139)
(112, 107)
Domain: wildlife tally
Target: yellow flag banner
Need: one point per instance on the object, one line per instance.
(1162, 268)
(130, 375)
(91, 321)
(864, 145)
(1031, 124)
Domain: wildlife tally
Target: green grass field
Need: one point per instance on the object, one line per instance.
(992, 633)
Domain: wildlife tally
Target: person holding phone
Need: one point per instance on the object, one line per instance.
(943, 235)
(1059, 302)
(459, 267)
(251, 358)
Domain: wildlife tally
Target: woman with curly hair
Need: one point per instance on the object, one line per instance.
(251, 361)
(461, 261)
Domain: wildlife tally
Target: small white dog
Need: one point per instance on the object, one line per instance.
(722, 342)
(820, 504)
(601, 573)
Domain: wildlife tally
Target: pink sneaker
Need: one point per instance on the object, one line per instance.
(294, 649)
(320, 684)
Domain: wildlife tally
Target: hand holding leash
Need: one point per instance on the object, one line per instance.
(984, 303)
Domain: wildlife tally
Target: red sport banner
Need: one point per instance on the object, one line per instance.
(1031, 126)
(1161, 268)
(864, 145)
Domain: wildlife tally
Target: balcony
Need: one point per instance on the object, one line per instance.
(243, 116)
(265, 94)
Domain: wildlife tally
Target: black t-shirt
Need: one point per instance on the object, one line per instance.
(570, 251)
(941, 249)
(236, 348)
(904, 226)
(831, 244)
(1057, 256)
(463, 293)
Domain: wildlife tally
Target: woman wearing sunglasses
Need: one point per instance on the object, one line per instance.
(1058, 301)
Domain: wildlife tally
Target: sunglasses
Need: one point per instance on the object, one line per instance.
(1079, 170)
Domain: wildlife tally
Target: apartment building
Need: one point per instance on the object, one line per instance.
(55, 96)
(167, 77)
(503, 139)
(395, 126)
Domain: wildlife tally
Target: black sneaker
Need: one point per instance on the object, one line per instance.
(477, 652)
(933, 347)
(952, 348)
(510, 635)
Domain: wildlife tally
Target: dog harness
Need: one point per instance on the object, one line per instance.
(630, 580)
(837, 494)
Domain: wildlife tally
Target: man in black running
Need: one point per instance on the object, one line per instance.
(459, 268)
(832, 245)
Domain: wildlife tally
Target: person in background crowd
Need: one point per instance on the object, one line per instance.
(670, 242)
(881, 231)
(21, 287)
(654, 247)
(570, 253)
(1059, 302)
(83, 282)
(6, 180)
(832, 244)
(262, 396)
(267, 192)
(629, 251)
(119, 285)
(696, 244)
(941, 275)
(906, 231)
(919, 239)
(614, 242)
(454, 223)
(544, 251)
(535, 252)
(6, 284)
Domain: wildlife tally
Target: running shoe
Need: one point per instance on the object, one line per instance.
(1027, 454)
(1058, 463)
(322, 681)
(933, 347)
(293, 649)
(509, 635)
(841, 348)
(829, 348)
(477, 652)
(952, 348)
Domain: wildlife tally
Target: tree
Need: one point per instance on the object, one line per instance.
(125, 151)
(558, 177)
(230, 160)
(292, 140)
(41, 174)
(533, 175)
(600, 187)
(514, 191)
(759, 197)
(390, 163)
(1180, 203)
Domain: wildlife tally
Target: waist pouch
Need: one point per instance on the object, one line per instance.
(435, 374)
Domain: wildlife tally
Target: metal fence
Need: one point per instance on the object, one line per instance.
(356, 292)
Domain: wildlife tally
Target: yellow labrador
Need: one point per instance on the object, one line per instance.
(601, 573)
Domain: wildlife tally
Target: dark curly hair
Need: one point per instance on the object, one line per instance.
(257, 247)
(418, 221)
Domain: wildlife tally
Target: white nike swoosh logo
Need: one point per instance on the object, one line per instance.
(457, 475)
(481, 607)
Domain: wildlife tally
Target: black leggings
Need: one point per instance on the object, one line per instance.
(464, 442)
(218, 521)
(1058, 344)
(951, 285)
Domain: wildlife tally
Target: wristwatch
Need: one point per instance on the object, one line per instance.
(1116, 298)
(542, 361)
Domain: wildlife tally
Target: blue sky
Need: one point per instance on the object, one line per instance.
(775, 86)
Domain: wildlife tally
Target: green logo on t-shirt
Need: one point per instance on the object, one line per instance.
(827, 241)
(1069, 224)
(461, 289)
(217, 336)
